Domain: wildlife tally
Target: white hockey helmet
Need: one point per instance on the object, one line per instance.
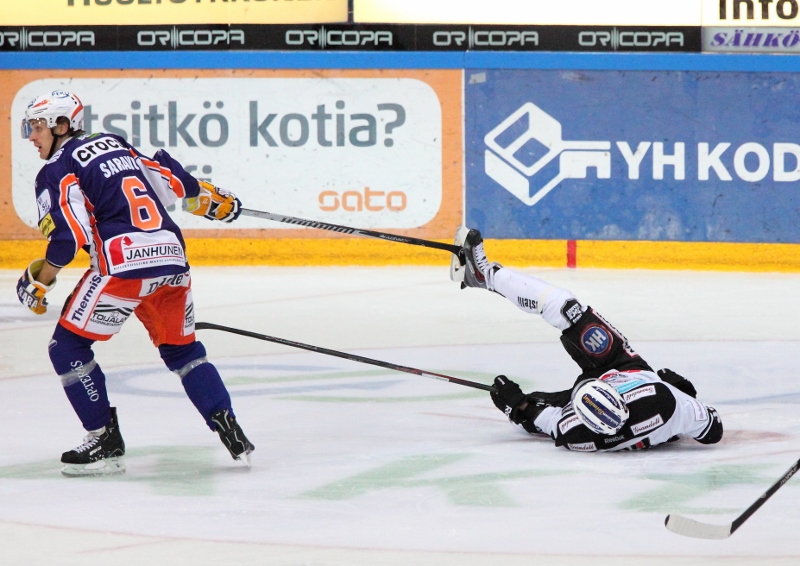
(52, 106)
(600, 407)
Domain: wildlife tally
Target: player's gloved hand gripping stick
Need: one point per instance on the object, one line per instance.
(213, 203)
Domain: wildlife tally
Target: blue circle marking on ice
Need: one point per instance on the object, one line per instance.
(596, 340)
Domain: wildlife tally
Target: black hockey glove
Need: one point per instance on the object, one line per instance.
(507, 396)
(677, 381)
(510, 399)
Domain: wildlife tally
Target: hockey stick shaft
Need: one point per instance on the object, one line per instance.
(344, 355)
(763, 499)
(689, 527)
(348, 230)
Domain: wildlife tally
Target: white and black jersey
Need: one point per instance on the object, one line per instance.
(658, 413)
(662, 405)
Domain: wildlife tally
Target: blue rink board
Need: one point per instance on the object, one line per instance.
(734, 180)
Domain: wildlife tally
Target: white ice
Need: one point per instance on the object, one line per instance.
(360, 465)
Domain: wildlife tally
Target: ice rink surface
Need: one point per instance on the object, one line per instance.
(356, 465)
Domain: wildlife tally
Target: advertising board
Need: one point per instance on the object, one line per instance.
(633, 155)
(366, 149)
(343, 37)
(751, 39)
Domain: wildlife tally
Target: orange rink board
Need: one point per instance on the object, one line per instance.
(445, 84)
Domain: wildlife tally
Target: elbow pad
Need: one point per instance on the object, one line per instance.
(713, 431)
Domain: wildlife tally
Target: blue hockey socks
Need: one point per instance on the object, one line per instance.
(199, 377)
(82, 379)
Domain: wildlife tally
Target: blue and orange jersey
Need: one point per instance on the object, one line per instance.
(100, 194)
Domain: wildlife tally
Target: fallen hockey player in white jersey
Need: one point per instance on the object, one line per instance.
(618, 402)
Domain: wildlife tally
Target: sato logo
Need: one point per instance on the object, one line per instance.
(540, 143)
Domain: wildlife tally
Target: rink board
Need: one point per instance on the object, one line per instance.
(633, 155)
(440, 204)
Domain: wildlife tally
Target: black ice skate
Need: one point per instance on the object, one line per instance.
(232, 436)
(477, 271)
(100, 454)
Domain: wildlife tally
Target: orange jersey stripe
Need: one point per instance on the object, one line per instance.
(174, 183)
(78, 232)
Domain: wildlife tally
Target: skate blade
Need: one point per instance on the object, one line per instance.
(457, 265)
(105, 467)
(244, 459)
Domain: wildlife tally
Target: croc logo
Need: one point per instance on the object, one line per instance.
(596, 340)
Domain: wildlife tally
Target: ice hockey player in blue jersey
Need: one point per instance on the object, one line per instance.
(99, 194)
(618, 402)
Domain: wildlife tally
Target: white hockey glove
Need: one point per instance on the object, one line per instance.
(30, 292)
(213, 203)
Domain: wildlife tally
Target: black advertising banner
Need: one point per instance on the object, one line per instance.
(351, 37)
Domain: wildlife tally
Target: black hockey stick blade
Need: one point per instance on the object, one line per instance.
(357, 231)
(344, 355)
(691, 528)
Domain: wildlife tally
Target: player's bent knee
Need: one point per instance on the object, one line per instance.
(69, 352)
(184, 358)
(713, 433)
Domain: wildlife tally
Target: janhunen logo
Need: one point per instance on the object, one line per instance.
(751, 162)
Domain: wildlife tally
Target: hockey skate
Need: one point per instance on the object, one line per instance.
(232, 436)
(100, 454)
(477, 271)
(457, 262)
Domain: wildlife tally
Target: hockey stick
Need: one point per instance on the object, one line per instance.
(357, 231)
(691, 528)
(353, 357)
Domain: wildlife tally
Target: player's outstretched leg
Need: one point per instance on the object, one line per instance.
(100, 454)
(556, 305)
(477, 270)
(232, 436)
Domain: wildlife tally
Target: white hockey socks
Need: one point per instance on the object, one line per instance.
(533, 295)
